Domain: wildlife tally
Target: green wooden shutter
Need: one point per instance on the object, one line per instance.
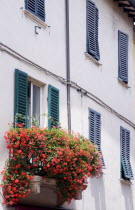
(53, 106)
(95, 130)
(21, 96)
(123, 56)
(126, 170)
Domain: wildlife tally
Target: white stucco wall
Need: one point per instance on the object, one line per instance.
(102, 80)
(48, 50)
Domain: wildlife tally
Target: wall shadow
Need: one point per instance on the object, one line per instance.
(128, 196)
(98, 193)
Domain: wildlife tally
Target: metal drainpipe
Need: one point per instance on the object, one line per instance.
(68, 65)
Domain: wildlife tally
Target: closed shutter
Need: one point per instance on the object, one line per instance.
(53, 106)
(21, 96)
(37, 7)
(97, 56)
(31, 6)
(92, 30)
(123, 56)
(95, 130)
(41, 9)
(125, 154)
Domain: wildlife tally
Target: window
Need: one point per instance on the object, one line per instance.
(92, 30)
(53, 106)
(126, 170)
(27, 99)
(36, 7)
(34, 98)
(95, 130)
(123, 56)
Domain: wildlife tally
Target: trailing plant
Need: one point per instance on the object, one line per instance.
(51, 153)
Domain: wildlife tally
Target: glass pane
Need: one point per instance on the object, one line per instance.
(36, 103)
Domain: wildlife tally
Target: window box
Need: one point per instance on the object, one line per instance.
(43, 193)
(48, 153)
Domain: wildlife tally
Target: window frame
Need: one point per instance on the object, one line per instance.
(40, 85)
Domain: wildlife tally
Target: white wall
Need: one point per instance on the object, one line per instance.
(102, 80)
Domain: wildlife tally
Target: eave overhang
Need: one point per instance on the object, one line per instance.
(128, 7)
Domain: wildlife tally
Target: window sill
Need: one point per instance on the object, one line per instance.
(35, 19)
(88, 56)
(125, 182)
(123, 83)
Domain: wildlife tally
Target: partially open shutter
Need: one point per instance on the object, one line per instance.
(53, 106)
(92, 126)
(128, 154)
(97, 55)
(21, 96)
(125, 153)
(91, 27)
(123, 56)
(98, 133)
(95, 130)
(92, 30)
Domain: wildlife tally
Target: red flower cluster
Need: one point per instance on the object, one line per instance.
(53, 153)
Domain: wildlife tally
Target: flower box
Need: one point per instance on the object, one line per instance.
(69, 159)
(42, 193)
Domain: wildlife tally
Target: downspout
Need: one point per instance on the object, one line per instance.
(68, 65)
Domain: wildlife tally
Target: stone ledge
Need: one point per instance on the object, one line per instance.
(126, 182)
(123, 83)
(35, 19)
(88, 56)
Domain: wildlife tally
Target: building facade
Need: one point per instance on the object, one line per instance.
(90, 72)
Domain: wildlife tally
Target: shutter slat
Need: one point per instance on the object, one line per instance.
(53, 106)
(21, 94)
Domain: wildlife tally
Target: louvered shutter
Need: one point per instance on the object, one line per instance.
(41, 9)
(95, 130)
(92, 126)
(125, 154)
(53, 106)
(98, 134)
(31, 6)
(21, 96)
(97, 55)
(92, 30)
(123, 56)
(37, 7)
(128, 154)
